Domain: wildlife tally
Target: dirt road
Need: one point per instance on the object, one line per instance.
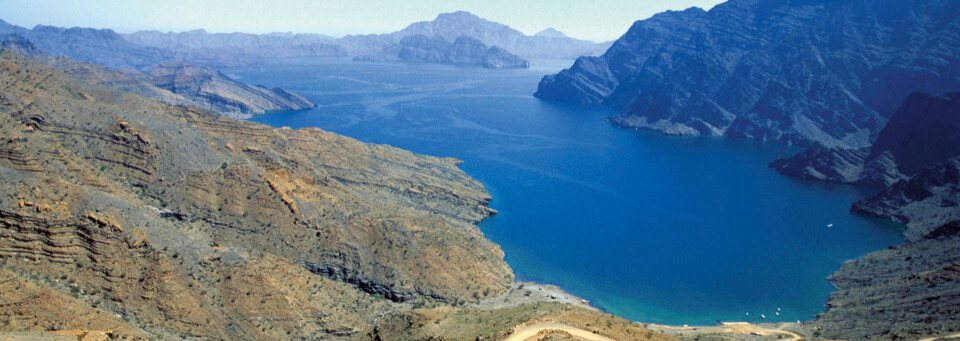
(532, 330)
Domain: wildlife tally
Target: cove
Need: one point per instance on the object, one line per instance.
(654, 228)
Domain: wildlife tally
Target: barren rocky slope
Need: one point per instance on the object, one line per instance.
(904, 292)
(125, 217)
(808, 73)
(185, 222)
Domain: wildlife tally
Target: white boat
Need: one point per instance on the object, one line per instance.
(763, 316)
(829, 225)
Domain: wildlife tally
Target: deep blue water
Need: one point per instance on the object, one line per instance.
(653, 228)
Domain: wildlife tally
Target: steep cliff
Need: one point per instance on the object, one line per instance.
(923, 132)
(808, 73)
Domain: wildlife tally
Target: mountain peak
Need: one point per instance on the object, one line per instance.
(550, 32)
(459, 15)
(20, 44)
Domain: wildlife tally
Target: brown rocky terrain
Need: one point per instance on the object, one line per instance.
(185, 222)
(479, 324)
(125, 217)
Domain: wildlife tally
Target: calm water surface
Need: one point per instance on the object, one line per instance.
(653, 228)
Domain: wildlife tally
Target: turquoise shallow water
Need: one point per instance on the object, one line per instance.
(653, 228)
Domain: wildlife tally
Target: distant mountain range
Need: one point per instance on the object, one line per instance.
(99, 46)
(177, 83)
(464, 50)
(807, 73)
(450, 26)
(198, 46)
(144, 49)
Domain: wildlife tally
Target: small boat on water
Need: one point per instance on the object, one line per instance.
(830, 225)
(763, 316)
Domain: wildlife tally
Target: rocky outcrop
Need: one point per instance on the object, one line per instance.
(923, 203)
(922, 133)
(807, 73)
(204, 48)
(177, 83)
(210, 89)
(451, 26)
(187, 224)
(463, 51)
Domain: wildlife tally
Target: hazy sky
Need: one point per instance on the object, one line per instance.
(603, 20)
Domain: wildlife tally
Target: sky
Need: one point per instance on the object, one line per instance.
(598, 21)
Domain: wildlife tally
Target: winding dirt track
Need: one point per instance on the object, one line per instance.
(954, 336)
(532, 330)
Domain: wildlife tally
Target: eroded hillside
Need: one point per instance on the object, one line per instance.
(151, 219)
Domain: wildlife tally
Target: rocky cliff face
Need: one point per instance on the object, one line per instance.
(922, 133)
(176, 83)
(184, 223)
(923, 203)
(809, 73)
(451, 26)
(201, 47)
(463, 51)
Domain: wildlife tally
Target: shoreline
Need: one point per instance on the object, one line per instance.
(538, 292)
(522, 292)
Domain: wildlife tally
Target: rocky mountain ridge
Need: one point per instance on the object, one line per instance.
(205, 48)
(98, 46)
(177, 83)
(923, 132)
(143, 50)
(451, 26)
(807, 73)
